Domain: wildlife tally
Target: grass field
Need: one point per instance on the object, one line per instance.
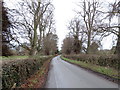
(104, 70)
(21, 57)
(13, 57)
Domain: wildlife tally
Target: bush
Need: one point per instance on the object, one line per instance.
(102, 60)
(17, 71)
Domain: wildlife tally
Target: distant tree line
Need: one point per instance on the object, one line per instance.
(90, 26)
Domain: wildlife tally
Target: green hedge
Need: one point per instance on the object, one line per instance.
(17, 71)
(102, 60)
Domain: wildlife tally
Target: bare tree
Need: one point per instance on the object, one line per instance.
(115, 11)
(112, 27)
(76, 29)
(50, 44)
(68, 44)
(5, 35)
(31, 18)
(89, 14)
(46, 25)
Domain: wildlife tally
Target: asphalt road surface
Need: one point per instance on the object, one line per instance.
(65, 75)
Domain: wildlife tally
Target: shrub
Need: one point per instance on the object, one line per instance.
(102, 60)
(17, 71)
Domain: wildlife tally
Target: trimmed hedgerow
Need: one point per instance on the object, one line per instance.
(101, 60)
(17, 71)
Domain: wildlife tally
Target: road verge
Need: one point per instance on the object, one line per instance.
(38, 80)
(107, 73)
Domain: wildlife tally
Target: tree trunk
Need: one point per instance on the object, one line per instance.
(117, 51)
(40, 39)
(89, 42)
(36, 23)
(33, 49)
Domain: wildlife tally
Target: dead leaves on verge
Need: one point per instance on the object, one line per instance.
(38, 79)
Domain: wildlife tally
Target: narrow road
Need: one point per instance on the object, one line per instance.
(65, 75)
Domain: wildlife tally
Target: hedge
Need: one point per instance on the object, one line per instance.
(102, 60)
(17, 71)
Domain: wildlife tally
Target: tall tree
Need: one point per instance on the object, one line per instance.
(5, 32)
(50, 44)
(113, 27)
(68, 44)
(32, 21)
(76, 30)
(46, 25)
(116, 12)
(90, 15)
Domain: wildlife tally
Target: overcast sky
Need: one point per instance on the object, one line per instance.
(64, 12)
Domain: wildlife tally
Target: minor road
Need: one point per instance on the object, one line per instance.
(65, 75)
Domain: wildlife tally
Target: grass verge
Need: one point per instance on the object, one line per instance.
(100, 69)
